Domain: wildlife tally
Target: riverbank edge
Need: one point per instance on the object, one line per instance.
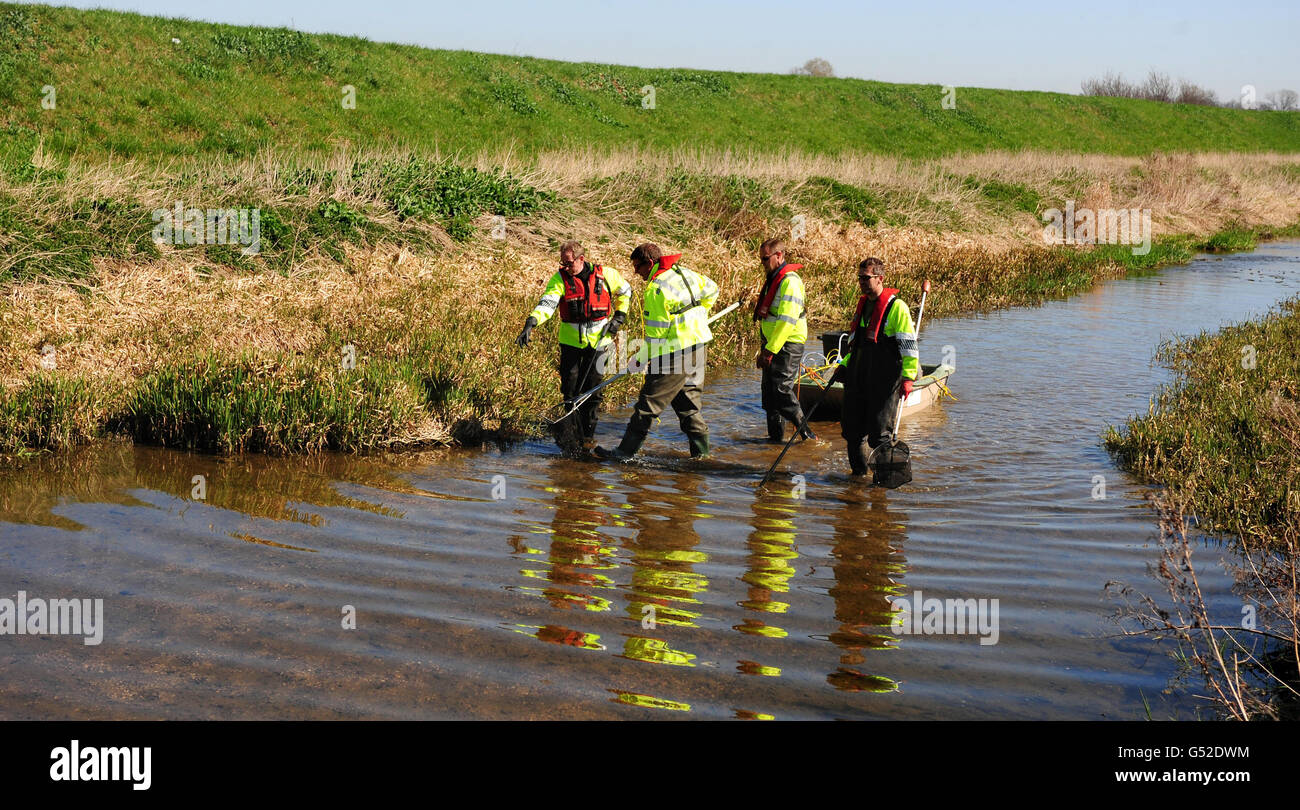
(53, 412)
(1222, 441)
(1223, 437)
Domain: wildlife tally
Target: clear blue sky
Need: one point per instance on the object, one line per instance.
(1021, 46)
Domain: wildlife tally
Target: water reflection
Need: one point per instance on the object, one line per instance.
(93, 475)
(769, 564)
(559, 634)
(579, 560)
(869, 537)
(665, 590)
(648, 702)
(257, 486)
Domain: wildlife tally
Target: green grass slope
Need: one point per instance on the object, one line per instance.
(141, 86)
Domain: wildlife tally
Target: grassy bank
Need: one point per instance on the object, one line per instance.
(402, 240)
(1224, 442)
(1224, 439)
(137, 86)
(381, 310)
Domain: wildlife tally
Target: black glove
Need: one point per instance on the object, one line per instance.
(841, 374)
(615, 323)
(525, 337)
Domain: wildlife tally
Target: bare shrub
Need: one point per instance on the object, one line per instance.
(1157, 87)
(1283, 100)
(1249, 671)
(1189, 93)
(1112, 84)
(814, 67)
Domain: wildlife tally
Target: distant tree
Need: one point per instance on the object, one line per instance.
(1284, 100)
(1157, 87)
(815, 67)
(1189, 93)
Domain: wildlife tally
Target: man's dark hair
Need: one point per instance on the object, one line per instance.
(773, 245)
(876, 266)
(575, 246)
(648, 252)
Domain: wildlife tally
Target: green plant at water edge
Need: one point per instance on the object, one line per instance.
(1224, 441)
(1226, 434)
(1229, 239)
(51, 411)
(250, 404)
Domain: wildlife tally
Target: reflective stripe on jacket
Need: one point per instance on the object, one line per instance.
(785, 322)
(676, 308)
(586, 334)
(900, 328)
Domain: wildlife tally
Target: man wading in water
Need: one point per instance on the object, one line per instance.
(592, 304)
(880, 366)
(677, 335)
(780, 312)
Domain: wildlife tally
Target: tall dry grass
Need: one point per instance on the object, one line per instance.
(415, 294)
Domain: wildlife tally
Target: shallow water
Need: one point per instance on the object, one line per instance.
(536, 603)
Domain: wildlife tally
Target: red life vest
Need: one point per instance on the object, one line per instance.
(585, 301)
(764, 304)
(883, 301)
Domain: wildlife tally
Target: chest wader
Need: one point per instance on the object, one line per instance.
(871, 393)
(780, 402)
(580, 370)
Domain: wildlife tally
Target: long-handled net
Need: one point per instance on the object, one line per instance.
(564, 420)
(890, 464)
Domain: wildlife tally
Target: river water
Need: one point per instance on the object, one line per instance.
(512, 583)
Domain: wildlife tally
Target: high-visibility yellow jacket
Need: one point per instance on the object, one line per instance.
(676, 309)
(899, 330)
(585, 334)
(785, 322)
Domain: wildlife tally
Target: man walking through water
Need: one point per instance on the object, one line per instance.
(676, 310)
(880, 366)
(592, 303)
(780, 312)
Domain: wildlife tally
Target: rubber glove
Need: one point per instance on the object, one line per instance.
(615, 323)
(525, 337)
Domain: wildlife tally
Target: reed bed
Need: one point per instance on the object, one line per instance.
(1223, 440)
(425, 264)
